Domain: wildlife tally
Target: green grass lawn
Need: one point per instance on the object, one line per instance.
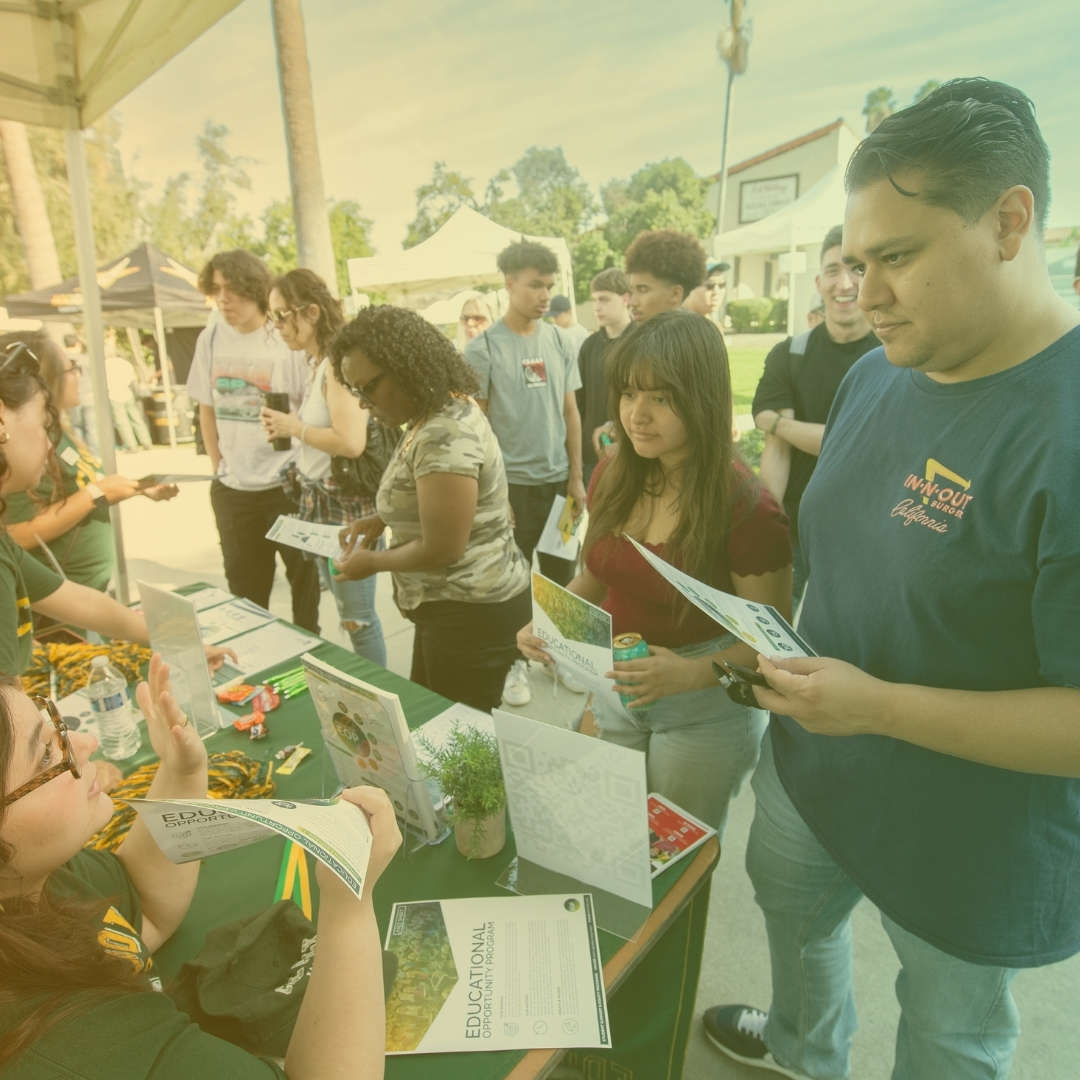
(746, 368)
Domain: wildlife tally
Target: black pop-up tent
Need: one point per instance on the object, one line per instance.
(145, 288)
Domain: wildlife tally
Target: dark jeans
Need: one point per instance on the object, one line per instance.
(243, 520)
(531, 506)
(463, 651)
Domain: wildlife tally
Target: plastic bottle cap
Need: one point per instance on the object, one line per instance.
(99, 661)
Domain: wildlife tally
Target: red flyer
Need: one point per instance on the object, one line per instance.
(672, 833)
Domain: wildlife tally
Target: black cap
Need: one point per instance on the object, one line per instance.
(559, 304)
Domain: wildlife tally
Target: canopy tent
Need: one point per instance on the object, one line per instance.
(62, 64)
(145, 288)
(460, 255)
(802, 222)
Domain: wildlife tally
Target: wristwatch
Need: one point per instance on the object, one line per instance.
(99, 496)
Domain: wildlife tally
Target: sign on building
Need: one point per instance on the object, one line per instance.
(760, 198)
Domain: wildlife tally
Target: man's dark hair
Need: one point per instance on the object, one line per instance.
(971, 139)
(833, 238)
(677, 258)
(610, 280)
(422, 360)
(245, 274)
(527, 255)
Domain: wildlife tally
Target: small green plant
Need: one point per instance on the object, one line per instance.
(469, 772)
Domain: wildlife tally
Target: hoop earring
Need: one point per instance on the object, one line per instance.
(4, 437)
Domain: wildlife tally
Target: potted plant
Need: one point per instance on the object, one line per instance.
(469, 772)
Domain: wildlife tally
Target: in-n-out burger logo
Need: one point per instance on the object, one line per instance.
(940, 489)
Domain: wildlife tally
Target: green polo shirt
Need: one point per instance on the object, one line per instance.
(130, 1036)
(23, 581)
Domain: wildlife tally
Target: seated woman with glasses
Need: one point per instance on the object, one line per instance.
(70, 513)
(79, 928)
(28, 424)
(330, 421)
(458, 575)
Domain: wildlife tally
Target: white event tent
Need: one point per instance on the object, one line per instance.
(799, 224)
(63, 63)
(460, 255)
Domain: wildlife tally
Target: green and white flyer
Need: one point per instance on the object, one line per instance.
(496, 973)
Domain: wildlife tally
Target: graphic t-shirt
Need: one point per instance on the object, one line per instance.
(942, 533)
(23, 581)
(807, 384)
(592, 397)
(130, 1036)
(457, 439)
(85, 552)
(525, 381)
(231, 371)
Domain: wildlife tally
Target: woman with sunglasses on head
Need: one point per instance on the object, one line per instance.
(458, 575)
(79, 928)
(676, 485)
(28, 424)
(330, 422)
(70, 513)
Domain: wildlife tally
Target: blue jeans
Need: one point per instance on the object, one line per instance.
(699, 746)
(957, 1020)
(356, 608)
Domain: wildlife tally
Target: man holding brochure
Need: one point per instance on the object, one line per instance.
(928, 759)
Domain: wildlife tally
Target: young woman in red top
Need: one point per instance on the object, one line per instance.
(676, 486)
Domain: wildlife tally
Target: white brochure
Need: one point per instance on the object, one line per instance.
(333, 830)
(566, 542)
(264, 648)
(578, 805)
(437, 730)
(209, 597)
(761, 626)
(577, 636)
(229, 619)
(306, 535)
(496, 973)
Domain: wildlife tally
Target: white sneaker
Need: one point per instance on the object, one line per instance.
(516, 689)
(575, 686)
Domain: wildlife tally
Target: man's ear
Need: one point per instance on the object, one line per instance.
(1015, 214)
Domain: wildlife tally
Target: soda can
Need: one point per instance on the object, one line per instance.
(630, 647)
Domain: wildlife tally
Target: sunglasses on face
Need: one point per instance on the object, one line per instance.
(67, 762)
(364, 392)
(470, 319)
(19, 355)
(279, 315)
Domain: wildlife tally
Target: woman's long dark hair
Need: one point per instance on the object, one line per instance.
(19, 382)
(302, 287)
(684, 355)
(49, 949)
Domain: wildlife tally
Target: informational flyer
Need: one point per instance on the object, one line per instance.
(496, 973)
(307, 536)
(264, 648)
(761, 626)
(224, 621)
(577, 805)
(577, 635)
(438, 729)
(209, 597)
(333, 830)
(561, 535)
(366, 735)
(673, 833)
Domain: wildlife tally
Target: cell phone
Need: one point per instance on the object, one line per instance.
(755, 678)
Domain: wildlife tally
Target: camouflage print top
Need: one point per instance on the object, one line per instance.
(457, 439)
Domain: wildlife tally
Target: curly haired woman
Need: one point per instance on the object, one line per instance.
(458, 575)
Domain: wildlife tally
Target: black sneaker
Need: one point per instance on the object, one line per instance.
(738, 1031)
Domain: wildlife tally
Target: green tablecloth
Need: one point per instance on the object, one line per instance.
(650, 1013)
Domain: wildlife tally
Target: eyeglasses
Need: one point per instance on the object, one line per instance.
(66, 764)
(280, 315)
(364, 392)
(470, 319)
(19, 353)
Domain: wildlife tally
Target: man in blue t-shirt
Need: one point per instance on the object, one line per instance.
(928, 758)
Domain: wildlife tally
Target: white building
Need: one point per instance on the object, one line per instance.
(784, 198)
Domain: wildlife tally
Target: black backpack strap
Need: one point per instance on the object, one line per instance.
(797, 349)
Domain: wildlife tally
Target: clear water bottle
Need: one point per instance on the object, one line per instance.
(111, 708)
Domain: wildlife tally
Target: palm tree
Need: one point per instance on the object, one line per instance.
(315, 248)
(31, 217)
(880, 103)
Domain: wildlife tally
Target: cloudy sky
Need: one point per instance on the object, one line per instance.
(400, 84)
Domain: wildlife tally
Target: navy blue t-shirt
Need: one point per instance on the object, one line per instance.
(942, 533)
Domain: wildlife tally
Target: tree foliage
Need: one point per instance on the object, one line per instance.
(880, 103)
(437, 201)
(925, 90)
(113, 195)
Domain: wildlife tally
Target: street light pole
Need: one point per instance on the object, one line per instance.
(723, 152)
(733, 45)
